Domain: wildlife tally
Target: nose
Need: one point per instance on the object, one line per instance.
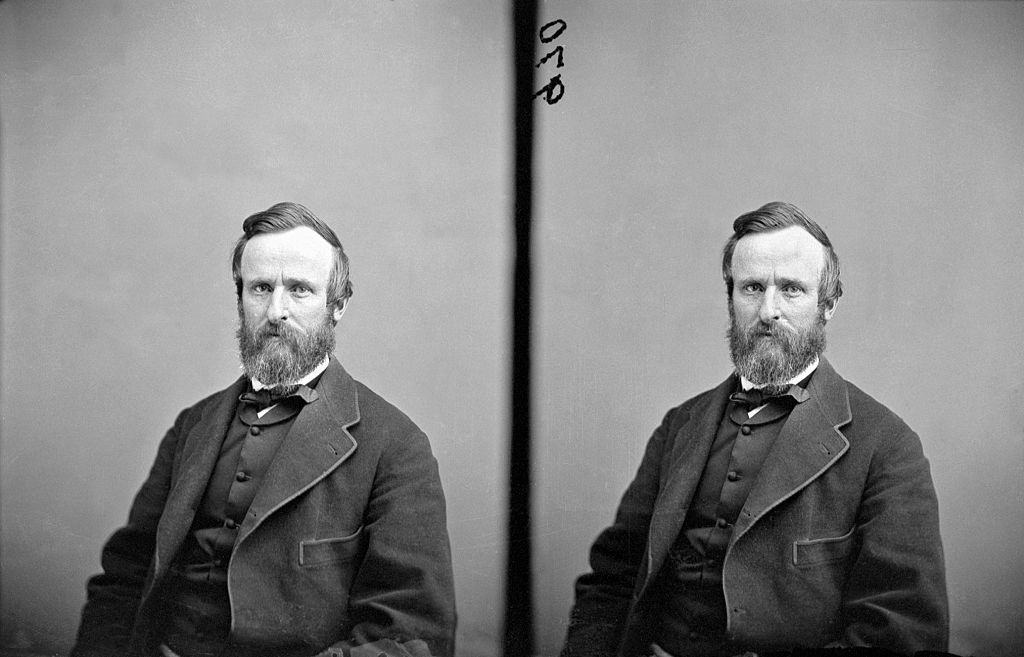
(277, 309)
(769, 310)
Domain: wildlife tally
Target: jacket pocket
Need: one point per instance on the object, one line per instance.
(822, 550)
(329, 550)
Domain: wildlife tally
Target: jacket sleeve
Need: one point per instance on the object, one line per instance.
(604, 596)
(896, 591)
(402, 601)
(113, 596)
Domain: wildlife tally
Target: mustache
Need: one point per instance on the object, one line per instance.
(276, 331)
(769, 330)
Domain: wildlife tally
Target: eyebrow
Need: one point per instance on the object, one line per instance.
(293, 281)
(287, 282)
(779, 281)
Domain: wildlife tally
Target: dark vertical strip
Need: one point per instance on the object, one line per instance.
(518, 574)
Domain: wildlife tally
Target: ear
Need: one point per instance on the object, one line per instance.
(339, 310)
(830, 309)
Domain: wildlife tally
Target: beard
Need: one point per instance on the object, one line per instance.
(770, 355)
(279, 355)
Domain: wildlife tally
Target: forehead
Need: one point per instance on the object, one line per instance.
(791, 252)
(296, 252)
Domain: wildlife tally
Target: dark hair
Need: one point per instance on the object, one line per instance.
(285, 216)
(774, 216)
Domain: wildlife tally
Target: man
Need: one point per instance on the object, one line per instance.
(782, 509)
(294, 513)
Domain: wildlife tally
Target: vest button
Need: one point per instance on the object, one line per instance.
(722, 522)
(254, 431)
(241, 476)
(745, 430)
(733, 476)
(229, 523)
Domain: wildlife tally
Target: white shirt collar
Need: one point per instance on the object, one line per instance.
(316, 371)
(746, 384)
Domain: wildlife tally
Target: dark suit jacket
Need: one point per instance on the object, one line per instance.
(345, 542)
(837, 544)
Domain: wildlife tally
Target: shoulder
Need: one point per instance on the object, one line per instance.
(870, 416)
(860, 417)
(878, 433)
(380, 428)
(361, 410)
(378, 413)
(387, 437)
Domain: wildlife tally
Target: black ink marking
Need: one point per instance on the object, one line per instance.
(557, 51)
(553, 90)
(558, 21)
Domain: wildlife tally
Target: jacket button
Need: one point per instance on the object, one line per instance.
(230, 524)
(241, 476)
(745, 430)
(722, 522)
(733, 476)
(254, 431)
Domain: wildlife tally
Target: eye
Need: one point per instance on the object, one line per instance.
(752, 288)
(261, 288)
(792, 290)
(301, 290)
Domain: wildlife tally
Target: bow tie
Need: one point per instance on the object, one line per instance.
(755, 397)
(270, 396)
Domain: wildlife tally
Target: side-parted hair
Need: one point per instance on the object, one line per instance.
(285, 216)
(776, 216)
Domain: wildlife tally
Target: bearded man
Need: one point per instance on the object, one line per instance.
(783, 509)
(296, 512)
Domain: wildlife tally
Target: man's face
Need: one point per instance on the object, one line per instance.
(285, 327)
(776, 325)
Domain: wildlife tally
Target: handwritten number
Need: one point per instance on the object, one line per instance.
(557, 33)
(552, 91)
(558, 50)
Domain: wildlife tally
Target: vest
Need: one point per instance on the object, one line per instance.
(197, 609)
(692, 614)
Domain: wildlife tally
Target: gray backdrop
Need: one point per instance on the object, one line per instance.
(135, 137)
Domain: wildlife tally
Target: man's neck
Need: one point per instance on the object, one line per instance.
(315, 372)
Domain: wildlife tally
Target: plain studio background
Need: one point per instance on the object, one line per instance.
(136, 136)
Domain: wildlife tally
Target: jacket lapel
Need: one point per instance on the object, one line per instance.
(810, 442)
(688, 456)
(317, 443)
(198, 458)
